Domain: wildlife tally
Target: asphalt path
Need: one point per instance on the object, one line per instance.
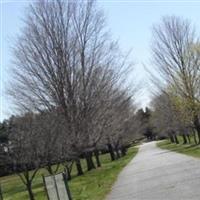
(157, 174)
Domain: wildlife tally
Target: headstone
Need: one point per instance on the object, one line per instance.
(56, 187)
(51, 188)
(62, 191)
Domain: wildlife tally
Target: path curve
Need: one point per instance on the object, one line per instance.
(157, 174)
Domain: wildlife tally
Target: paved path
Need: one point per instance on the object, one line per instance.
(156, 174)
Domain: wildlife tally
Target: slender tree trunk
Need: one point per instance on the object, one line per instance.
(117, 152)
(49, 169)
(188, 136)
(96, 154)
(171, 138)
(30, 192)
(68, 168)
(27, 180)
(198, 133)
(110, 149)
(176, 139)
(195, 138)
(123, 150)
(197, 127)
(90, 163)
(68, 172)
(184, 139)
(79, 168)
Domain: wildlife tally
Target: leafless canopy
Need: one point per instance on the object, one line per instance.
(176, 57)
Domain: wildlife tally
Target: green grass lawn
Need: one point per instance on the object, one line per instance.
(93, 185)
(188, 149)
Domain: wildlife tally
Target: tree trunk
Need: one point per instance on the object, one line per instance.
(171, 138)
(79, 168)
(110, 149)
(194, 135)
(176, 139)
(188, 136)
(27, 180)
(184, 139)
(117, 152)
(96, 154)
(197, 126)
(90, 163)
(49, 169)
(68, 169)
(68, 173)
(30, 192)
(123, 150)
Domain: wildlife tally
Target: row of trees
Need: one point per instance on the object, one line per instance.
(69, 84)
(176, 55)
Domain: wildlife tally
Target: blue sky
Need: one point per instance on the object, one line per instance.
(129, 21)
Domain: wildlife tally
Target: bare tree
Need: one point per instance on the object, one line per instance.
(164, 117)
(170, 119)
(65, 60)
(24, 150)
(177, 59)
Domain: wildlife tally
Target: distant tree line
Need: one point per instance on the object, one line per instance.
(145, 127)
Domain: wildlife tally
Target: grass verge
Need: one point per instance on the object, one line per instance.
(187, 149)
(93, 185)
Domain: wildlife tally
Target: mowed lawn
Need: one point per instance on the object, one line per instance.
(93, 185)
(188, 149)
